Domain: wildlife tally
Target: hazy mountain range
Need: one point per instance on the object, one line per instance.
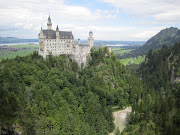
(15, 40)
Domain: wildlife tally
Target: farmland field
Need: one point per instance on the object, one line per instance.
(23, 52)
(133, 60)
(121, 51)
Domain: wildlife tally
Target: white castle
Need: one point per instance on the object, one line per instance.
(57, 42)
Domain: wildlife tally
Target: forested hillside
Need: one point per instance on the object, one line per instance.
(168, 36)
(56, 97)
(159, 110)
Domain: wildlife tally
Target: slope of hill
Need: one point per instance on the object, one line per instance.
(4, 40)
(56, 97)
(168, 37)
(159, 110)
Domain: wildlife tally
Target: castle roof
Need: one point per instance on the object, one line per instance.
(51, 34)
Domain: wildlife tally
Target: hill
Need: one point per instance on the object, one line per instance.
(168, 37)
(4, 40)
(159, 110)
(56, 97)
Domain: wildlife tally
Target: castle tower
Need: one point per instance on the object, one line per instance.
(57, 32)
(78, 41)
(41, 42)
(90, 39)
(49, 24)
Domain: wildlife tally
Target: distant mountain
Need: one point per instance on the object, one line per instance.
(165, 37)
(168, 37)
(4, 40)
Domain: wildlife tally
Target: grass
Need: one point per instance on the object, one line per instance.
(120, 50)
(138, 60)
(127, 61)
(12, 54)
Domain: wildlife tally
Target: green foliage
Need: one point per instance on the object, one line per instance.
(117, 131)
(157, 111)
(56, 97)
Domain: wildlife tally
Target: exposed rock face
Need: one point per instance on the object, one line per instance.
(120, 118)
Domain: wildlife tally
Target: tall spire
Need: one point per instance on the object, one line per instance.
(49, 24)
(57, 29)
(49, 19)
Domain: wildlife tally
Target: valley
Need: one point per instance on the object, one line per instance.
(90, 67)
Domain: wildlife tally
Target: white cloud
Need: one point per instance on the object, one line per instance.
(145, 34)
(32, 14)
(24, 18)
(159, 10)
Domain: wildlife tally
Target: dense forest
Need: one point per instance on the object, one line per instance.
(57, 97)
(158, 111)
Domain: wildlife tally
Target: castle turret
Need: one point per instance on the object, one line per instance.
(90, 39)
(78, 41)
(40, 36)
(49, 24)
(57, 32)
(41, 43)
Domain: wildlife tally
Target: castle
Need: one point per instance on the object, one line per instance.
(58, 42)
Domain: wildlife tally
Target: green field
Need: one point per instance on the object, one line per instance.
(127, 61)
(13, 54)
(120, 50)
(133, 60)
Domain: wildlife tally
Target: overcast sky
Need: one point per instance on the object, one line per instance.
(107, 19)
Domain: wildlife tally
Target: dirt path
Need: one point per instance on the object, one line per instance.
(120, 118)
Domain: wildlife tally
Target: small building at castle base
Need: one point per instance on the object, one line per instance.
(57, 42)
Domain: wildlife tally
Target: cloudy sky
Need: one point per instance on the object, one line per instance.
(133, 20)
